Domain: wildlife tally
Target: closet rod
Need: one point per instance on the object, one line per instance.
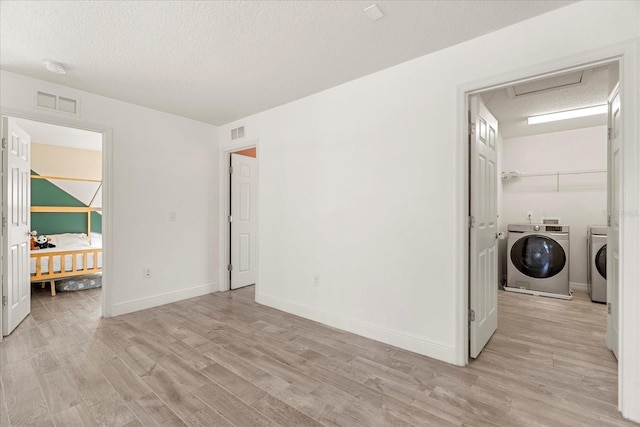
(509, 175)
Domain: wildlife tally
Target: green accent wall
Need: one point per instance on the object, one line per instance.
(44, 193)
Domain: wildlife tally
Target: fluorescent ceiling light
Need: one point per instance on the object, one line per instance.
(569, 114)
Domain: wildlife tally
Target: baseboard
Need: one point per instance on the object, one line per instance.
(162, 299)
(575, 286)
(395, 338)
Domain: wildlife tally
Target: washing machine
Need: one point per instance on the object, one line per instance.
(597, 270)
(538, 259)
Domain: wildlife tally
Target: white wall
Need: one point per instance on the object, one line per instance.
(581, 199)
(159, 162)
(358, 183)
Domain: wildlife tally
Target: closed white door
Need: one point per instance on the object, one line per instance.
(613, 233)
(243, 221)
(16, 286)
(483, 222)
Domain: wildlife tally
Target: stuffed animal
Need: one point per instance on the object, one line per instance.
(34, 246)
(42, 242)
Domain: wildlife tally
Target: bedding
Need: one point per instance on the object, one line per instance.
(79, 283)
(68, 242)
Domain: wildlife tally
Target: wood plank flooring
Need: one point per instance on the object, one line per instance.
(223, 360)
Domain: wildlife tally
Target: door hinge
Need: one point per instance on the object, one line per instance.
(472, 315)
(472, 222)
(230, 218)
(230, 267)
(608, 308)
(4, 300)
(4, 221)
(608, 219)
(230, 170)
(4, 142)
(472, 128)
(609, 134)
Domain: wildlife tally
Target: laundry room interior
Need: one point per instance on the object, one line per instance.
(553, 183)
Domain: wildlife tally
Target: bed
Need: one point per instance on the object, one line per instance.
(75, 254)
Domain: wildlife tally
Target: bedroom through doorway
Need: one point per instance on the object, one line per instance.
(65, 215)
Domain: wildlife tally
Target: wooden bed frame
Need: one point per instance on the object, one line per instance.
(73, 270)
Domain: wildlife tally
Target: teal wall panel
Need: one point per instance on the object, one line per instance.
(44, 193)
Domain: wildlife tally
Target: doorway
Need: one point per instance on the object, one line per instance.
(540, 215)
(64, 181)
(242, 218)
(533, 177)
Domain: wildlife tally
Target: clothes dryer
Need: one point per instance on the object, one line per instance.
(597, 266)
(538, 259)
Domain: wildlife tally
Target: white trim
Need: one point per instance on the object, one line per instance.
(162, 299)
(224, 209)
(388, 336)
(629, 293)
(107, 164)
(576, 286)
(627, 55)
(538, 293)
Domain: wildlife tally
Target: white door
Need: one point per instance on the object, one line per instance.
(16, 287)
(483, 221)
(244, 224)
(613, 233)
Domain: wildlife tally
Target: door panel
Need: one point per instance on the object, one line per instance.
(483, 272)
(16, 201)
(613, 232)
(244, 224)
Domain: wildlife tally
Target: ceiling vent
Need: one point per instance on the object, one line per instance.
(563, 81)
(237, 133)
(55, 102)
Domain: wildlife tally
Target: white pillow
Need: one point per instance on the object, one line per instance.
(69, 239)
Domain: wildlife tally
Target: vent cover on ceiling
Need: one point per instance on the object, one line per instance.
(237, 133)
(575, 78)
(55, 102)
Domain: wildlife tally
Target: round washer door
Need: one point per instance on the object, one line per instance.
(538, 256)
(601, 261)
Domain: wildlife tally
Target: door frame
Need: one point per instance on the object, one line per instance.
(629, 297)
(224, 210)
(107, 161)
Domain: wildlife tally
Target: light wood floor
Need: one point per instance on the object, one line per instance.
(223, 360)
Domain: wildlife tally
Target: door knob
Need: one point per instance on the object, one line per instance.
(33, 233)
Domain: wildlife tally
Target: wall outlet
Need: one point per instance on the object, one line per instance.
(147, 273)
(172, 216)
(316, 280)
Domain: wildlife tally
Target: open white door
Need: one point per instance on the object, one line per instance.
(243, 221)
(613, 233)
(16, 287)
(483, 226)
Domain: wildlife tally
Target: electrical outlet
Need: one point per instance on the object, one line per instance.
(316, 280)
(147, 273)
(172, 216)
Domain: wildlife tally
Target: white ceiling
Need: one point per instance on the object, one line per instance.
(45, 133)
(218, 61)
(512, 112)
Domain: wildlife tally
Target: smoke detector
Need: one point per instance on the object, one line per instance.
(55, 67)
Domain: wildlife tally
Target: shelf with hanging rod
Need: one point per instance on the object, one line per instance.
(508, 176)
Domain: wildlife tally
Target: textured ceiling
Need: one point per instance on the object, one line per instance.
(217, 61)
(512, 113)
